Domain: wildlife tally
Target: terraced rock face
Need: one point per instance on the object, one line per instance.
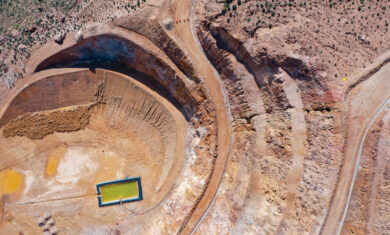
(296, 128)
(283, 134)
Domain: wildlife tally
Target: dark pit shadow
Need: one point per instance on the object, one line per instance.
(115, 54)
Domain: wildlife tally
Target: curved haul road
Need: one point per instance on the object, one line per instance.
(367, 98)
(189, 41)
(340, 226)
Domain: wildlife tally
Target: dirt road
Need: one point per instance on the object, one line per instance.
(364, 102)
(189, 42)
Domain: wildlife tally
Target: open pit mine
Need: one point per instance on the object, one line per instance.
(195, 117)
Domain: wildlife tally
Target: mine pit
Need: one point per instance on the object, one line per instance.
(194, 117)
(106, 108)
(67, 132)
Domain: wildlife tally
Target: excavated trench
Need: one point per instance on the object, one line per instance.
(102, 109)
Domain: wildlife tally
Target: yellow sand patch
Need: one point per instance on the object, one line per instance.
(54, 159)
(51, 167)
(10, 181)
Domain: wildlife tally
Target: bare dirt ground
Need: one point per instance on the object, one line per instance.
(149, 143)
(240, 116)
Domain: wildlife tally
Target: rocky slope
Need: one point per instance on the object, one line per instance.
(281, 84)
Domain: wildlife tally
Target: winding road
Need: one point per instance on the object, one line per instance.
(183, 9)
(367, 98)
(358, 164)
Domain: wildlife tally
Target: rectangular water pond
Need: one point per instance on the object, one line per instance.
(112, 192)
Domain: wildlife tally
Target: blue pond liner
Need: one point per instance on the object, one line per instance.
(115, 202)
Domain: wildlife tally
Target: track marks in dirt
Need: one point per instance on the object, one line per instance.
(298, 142)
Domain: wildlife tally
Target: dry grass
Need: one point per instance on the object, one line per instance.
(337, 35)
(26, 24)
